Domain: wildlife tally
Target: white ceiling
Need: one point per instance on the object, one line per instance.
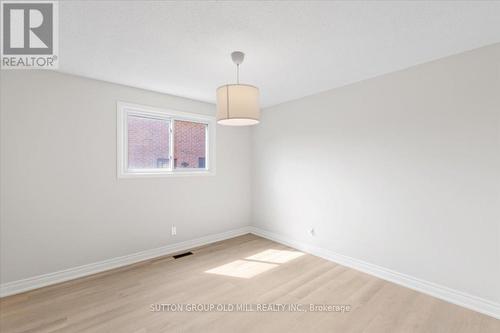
(293, 49)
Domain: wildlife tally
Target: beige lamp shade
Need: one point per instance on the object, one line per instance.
(238, 105)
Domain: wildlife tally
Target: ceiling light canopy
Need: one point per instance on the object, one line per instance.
(238, 104)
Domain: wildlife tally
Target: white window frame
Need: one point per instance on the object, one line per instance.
(124, 109)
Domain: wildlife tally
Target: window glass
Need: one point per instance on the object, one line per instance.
(189, 145)
(148, 142)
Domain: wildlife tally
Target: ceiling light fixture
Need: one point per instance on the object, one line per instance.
(238, 104)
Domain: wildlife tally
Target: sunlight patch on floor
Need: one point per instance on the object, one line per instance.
(276, 256)
(242, 269)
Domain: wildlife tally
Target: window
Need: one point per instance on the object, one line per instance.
(156, 142)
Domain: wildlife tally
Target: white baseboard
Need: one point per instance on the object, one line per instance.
(19, 286)
(447, 294)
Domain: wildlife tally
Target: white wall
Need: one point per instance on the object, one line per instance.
(401, 171)
(61, 203)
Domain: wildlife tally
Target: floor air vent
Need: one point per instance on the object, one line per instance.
(180, 255)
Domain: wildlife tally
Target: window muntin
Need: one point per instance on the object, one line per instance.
(157, 142)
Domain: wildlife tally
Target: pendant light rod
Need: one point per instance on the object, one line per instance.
(238, 58)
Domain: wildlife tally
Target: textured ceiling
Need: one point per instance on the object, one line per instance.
(293, 49)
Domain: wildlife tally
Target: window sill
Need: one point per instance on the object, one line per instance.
(138, 175)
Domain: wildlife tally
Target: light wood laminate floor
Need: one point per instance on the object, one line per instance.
(242, 270)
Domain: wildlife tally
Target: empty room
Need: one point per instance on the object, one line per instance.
(249, 166)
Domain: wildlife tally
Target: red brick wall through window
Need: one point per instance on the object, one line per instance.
(148, 143)
(189, 144)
